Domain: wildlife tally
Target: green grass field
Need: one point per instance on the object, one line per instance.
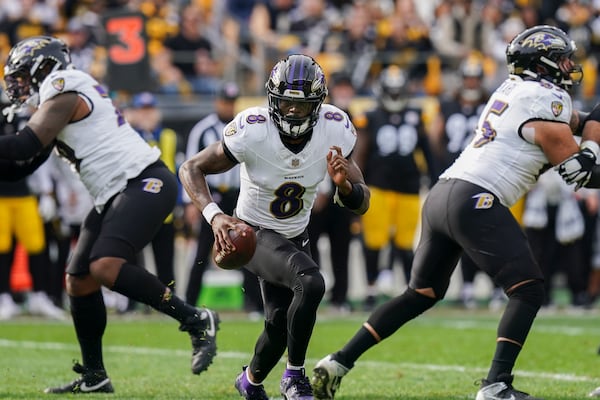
(438, 356)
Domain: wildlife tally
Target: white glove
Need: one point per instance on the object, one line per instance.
(578, 168)
(47, 207)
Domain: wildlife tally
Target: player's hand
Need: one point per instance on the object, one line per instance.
(221, 224)
(578, 168)
(337, 166)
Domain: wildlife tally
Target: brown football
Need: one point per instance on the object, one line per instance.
(244, 239)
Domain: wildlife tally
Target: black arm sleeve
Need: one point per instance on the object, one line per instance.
(20, 147)
(16, 170)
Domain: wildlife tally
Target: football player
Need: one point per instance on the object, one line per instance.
(133, 192)
(452, 130)
(394, 152)
(284, 152)
(523, 130)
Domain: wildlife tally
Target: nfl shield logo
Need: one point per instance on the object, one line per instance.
(557, 108)
(295, 163)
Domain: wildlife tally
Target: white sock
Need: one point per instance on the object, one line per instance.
(250, 380)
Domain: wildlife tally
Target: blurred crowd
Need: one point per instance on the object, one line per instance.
(182, 47)
(451, 55)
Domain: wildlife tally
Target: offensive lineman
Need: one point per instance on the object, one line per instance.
(523, 130)
(133, 193)
(284, 152)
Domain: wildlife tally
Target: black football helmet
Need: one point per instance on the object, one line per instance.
(29, 62)
(392, 89)
(297, 78)
(540, 52)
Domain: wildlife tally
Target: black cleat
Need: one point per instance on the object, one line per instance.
(203, 332)
(91, 381)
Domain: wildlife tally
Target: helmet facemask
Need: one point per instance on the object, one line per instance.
(18, 87)
(300, 121)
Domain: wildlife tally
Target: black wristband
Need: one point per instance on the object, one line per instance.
(354, 199)
(21, 147)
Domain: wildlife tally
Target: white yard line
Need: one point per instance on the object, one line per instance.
(153, 351)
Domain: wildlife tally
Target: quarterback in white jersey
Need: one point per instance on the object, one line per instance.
(277, 186)
(285, 151)
(523, 130)
(133, 192)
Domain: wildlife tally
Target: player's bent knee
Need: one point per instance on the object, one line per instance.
(312, 284)
(531, 292)
(106, 269)
(80, 285)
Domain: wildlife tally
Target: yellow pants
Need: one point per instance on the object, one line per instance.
(391, 215)
(19, 218)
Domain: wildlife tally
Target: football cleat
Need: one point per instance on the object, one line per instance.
(203, 332)
(91, 381)
(327, 377)
(40, 304)
(247, 390)
(8, 307)
(595, 392)
(501, 390)
(296, 387)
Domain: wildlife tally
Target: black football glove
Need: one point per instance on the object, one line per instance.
(578, 168)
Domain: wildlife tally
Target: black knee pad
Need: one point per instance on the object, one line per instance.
(531, 292)
(311, 283)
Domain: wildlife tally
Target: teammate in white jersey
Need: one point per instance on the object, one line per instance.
(133, 192)
(284, 151)
(523, 130)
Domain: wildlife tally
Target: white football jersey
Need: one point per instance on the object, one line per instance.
(104, 149)
(278, 187)
(500, 158)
